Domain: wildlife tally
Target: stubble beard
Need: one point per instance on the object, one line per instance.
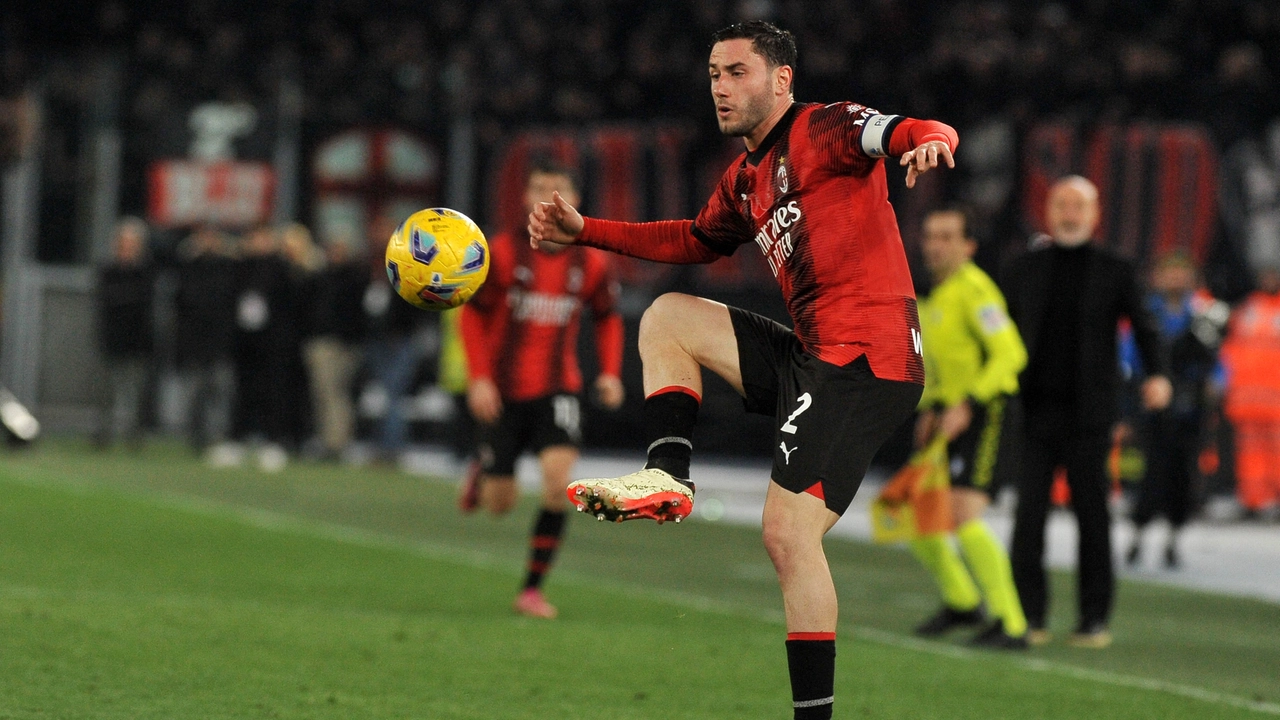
(753, 113)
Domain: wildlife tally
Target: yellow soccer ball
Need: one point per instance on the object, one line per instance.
(437, 259)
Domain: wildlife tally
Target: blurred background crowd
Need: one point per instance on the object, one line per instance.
(262, 153)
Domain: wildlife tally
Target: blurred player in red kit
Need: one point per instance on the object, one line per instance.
(520, 332)
(811, 194)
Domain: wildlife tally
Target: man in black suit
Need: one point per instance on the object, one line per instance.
(1066, 299)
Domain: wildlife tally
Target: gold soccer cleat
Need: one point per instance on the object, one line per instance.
(648, 493)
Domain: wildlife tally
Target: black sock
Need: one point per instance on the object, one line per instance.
(546, 538)
(669, 417)
(811, 658)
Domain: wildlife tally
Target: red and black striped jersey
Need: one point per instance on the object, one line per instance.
(814, 199)
(521, 328)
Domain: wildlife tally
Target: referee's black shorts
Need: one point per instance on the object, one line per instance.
(973, 454)
(831, 420)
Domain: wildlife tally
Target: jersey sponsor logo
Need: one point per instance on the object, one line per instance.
(774, 237)
(542, 308)
(916, 342)
(992, 318)
(573, 279)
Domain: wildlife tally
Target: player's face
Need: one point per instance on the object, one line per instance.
(128, 246)
(742, 86)
(1072, 213)
(1173, 279)
(540, 189)
(541, 186)
(945, 245)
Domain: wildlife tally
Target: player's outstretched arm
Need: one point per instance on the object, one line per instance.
(556, 221)
(923, 145)
(924, 158)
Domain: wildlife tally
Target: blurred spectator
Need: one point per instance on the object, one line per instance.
(1251, 197)
(266, 336)
(334, 350)
(305, 262)
(1251, 355)
(126, 289)
(394, 348)
(1067, 299)
(1191, 325)
(205, 335)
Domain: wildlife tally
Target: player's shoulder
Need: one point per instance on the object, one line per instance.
(977, 280)
(842, 108)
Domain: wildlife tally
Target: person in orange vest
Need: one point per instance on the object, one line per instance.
(1250, 356)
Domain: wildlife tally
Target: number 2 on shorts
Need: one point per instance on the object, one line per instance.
(805, 401)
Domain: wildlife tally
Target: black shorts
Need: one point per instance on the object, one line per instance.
(973, 454)
(831, 420)
(532, 425)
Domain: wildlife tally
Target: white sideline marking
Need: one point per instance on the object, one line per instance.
(283, 522)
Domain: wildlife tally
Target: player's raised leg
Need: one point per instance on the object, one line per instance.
(794, 524)
(679, 335)
(557, 462)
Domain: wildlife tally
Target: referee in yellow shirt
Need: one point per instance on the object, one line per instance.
(972, 356)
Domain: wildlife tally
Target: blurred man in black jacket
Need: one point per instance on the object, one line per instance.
(126, 290)
(334, 350)
(204, 309)
(1067, 299)
(266, 340)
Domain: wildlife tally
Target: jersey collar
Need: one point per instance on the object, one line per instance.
(784, 124)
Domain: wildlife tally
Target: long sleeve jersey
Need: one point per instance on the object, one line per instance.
(521, 328)
(813, 198)
(971, 347)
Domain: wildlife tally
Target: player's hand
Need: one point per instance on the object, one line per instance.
(609, 391)
(925, 158)
(926, 424)
(955, 420)
(556, 221)
(1157, 392)
(484, 400)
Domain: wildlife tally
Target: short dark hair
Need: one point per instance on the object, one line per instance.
(966, 216)
(775, 45)
(542, 165)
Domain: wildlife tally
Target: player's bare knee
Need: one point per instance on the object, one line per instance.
(498, 497)
(782, 544)
(662, 318)
(500, 505)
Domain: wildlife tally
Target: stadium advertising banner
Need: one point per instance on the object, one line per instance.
(224, 193)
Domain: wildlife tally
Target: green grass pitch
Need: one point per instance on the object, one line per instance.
(155, 588)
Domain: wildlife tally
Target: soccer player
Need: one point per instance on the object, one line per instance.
(520, 332)
(811, 193)
(972, 357)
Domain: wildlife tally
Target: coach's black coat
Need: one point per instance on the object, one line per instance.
(1108, 291)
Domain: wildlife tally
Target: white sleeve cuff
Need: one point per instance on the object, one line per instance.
(876, 132)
